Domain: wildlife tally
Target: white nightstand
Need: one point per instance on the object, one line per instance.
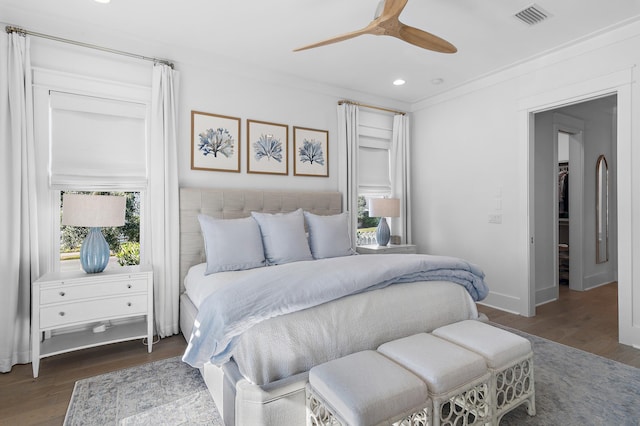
(75, 300)
(376, 249)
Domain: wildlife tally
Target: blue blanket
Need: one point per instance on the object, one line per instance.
(264, 293)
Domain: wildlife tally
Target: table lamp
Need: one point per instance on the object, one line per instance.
(384, 208)
(94, 212)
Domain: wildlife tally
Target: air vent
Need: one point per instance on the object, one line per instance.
(532, 15)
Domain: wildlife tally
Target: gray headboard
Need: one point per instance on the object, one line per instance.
(235, 203)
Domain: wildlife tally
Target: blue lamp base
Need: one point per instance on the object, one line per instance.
(383, 233)
(94, 253)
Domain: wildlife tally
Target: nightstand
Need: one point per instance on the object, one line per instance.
(393, 248)
(69, 310)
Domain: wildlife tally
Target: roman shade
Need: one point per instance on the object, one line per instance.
(96, 143)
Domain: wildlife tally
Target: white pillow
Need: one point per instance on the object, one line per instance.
(329, 235)
(231, 244)
(283, 237)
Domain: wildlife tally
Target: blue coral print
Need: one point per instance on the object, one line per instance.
(218, 141)
(268, 147)
(311, 152)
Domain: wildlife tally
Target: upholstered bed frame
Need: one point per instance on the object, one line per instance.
(239, 401)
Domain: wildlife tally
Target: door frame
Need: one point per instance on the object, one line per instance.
(619, 83)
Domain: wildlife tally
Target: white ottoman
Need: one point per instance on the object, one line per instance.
(509, 358)
(457, 379)
(365, 389)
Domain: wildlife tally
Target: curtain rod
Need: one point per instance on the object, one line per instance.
(10, 29)
(345, 101)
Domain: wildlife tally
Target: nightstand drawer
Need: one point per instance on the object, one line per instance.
(63, 293)
(92, 310)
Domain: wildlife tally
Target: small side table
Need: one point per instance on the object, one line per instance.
(392, 248)
(80, 302)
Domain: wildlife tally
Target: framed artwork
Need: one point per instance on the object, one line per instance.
(311, 152)
(267, 147)
(215, 142)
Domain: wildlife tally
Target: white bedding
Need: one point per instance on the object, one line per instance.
(264, 293)
(293, 343)
(199, 286)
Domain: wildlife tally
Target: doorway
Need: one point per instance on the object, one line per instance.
(590, 130)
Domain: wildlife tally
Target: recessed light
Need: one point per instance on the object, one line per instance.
(103, 1)
(437, 81)
(398, 82)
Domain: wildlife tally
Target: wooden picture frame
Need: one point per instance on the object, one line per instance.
(215, 142)
(267, 148)
(311, 152)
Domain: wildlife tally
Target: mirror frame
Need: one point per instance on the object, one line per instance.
(602, 210)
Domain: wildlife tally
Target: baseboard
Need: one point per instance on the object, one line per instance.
(503, 302)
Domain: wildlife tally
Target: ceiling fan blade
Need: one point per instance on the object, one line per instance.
(347, 36)
(424, 39)
(393, 7)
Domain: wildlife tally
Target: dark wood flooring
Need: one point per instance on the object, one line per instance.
(43, 401)
(585, 320)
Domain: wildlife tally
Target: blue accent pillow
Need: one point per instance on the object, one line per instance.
(283, 237)
(231, 244)
(329, 235)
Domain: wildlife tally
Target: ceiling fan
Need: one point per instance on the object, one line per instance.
(386, 22)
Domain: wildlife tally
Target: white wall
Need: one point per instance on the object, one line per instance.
(218, 86)
(471, 147)
(207, 84)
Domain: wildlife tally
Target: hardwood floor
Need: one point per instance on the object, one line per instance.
(43, 401)
(585, 320)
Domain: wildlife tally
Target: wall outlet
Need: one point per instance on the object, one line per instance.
(495, 218)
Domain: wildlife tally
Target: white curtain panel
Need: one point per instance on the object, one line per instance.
(348, 163)
(400, 172)
(164, 198)
(18, 244)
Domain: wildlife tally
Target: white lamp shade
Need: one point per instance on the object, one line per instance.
(93, 210)
(384, 207)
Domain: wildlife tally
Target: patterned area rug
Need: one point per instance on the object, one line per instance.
(167, 392)
(576, 388)
(573, 388)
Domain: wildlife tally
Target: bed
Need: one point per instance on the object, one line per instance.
(258, 377)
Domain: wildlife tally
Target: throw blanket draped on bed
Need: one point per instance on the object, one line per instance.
(268, 292)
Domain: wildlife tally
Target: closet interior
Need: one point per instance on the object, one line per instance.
(563, 222)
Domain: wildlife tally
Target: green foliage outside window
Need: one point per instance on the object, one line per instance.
(71, 237)
(129, 254)
(364, 221)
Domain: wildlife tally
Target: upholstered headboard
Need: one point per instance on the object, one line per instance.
(235, 203)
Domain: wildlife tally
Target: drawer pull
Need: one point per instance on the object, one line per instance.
(128, 303)
(129, 286)
(62, 293)
(61, 314)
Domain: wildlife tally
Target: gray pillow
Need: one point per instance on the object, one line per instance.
(329, 235)
(283, 237)
(231, 244)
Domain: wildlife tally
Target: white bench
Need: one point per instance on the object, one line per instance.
(509, 358)
(365, 389)
(457, 379)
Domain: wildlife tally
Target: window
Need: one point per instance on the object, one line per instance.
(374, 180)
(90, 135)
(124, 241)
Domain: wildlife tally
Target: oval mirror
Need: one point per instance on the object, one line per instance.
(602, 210)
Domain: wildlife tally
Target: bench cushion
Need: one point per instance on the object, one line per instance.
(443, 365)
(365, 388)
(499, 347)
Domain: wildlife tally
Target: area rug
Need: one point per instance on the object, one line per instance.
(573, 388)
(576, 388)
(167, 392)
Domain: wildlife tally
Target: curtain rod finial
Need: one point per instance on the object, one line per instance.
(10, 29)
